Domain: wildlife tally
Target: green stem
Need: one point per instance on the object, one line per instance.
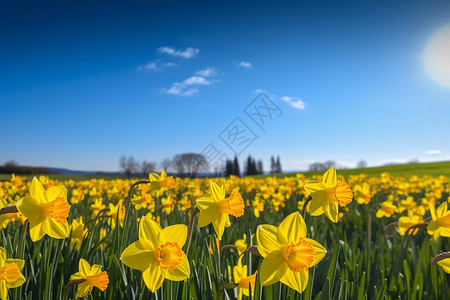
(305, 205)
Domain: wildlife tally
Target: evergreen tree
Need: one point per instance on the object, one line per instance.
(278, 164)
(273, 168)
(259, 167)
(236, 170)
(228, 168)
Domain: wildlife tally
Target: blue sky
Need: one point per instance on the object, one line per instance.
(82, 83)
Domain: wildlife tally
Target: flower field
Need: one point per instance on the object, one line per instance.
(320, 237)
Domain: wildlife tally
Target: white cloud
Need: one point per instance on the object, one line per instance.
(188, 53)
(169, 64)
(184, 88)
(294, 102)
(245, 64)
(433, 152)
(153, 66)
(208, 72)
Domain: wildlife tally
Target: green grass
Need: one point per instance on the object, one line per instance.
(419, 169)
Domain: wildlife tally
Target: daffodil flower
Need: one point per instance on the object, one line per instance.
(406, 222)
(387, 209)
(215, 208)
(158, 253)
(47, 211)
(93, 276)
(241, 244)
(10, 273)
(243, 281)
(287, 252)
(161, 182)
(440, 225)
(328, 194)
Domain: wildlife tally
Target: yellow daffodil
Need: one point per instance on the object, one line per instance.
(406, 222)
(161, 182)
(328, 194)
(241, 245)
(215, 208)
(440, 225)
(287, 252)
(387, 209)
(158, 253)
(47, 211)
(79, 232)
(243, 281)
(93, 276)
(10, 273)
(445, 264)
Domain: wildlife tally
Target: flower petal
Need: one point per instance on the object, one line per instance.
(30, 207)
(56, 229)
(217, 192)
(3, 290)
(181, 272)
(153, 277)
(203, 219)
(19, 262)
(148, 233)
(319, 203)
(266, 239)
(137, 256)
(37, 231)
(332, 211)
(83, 289)
(77, 276)
(296, 280)
(207, 205)
(18, 282)
(174, 233)
(273, 268)
(442, 209)
(54, 192)
(319, 251)
(291, 229)
(313, 187)
(219, 225)
(445, 264)
(37, 191)
(84, 267)
(329, 179)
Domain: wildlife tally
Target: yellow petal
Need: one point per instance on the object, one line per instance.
(148, 233)
(314, 186)
(217, 192)
(319, 251)
(219, 225)
(56, 229)
(136, 256)
(273, 268)
(153, 277)
(37, 232)
(175, 233)
(83, 289)
(266, 239)
(54, 192)
(442, 209)
(95, 269)
(296, 280)
(203, 219)
(77, 276)
(30, 207)
(181, 272)
(291, 229)
(332, 211)
(445, 264)
(207, 205)
(319, 203)
(330, 178)
(84, 267)
(2, 256)
(433, 212)
(3, 290)
(37, 191)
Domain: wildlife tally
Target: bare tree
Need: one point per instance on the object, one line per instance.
(361, 164)
(189, 164)
(147, 167)
(128, 165)
(166, 164)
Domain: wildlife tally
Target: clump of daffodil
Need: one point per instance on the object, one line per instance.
(93, 276)
(160, 183)
(158, 253)
(242, 280)
(287, 252)
(327, 195)
(241, 245)
(47, 211)
(440, 223)
(387, 209)
(215, 208)
(406, 222)
(10, 273)
(79, 232)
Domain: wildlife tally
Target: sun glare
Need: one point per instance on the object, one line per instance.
(437, 56)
